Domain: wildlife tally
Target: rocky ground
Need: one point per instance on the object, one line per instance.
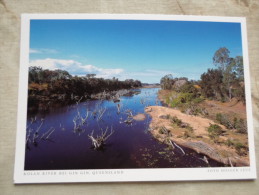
(172, 126)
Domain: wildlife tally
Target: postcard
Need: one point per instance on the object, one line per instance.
(120, 98)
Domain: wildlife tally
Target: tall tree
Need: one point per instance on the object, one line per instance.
(167, 82)
(211, 83)
(221, 58)
(239, 68)
(226, 64)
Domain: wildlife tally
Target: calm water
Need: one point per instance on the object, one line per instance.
(130, 146)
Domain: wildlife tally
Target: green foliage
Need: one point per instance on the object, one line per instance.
(161, 131)
(239, 147)
(189, 88)
(226, 81)
(214, 131)
(229, 143)
(239, 92)
(167, 82)
(176, 121)
(58, 86)
(211, 84)
(225, 120)
(238, 68)
(221, 58)
(240, 125)
(186, 101)
(237, 123)
(181, 99)
(198, 100)
(181, 124)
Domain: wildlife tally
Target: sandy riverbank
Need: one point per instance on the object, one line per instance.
(197, 139)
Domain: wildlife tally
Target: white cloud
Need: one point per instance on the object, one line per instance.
(146, 76)
(149, 73)
(35, 51)
(43, 50)
(75, 67)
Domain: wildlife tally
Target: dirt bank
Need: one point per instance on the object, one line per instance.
(139, 117)
(192, 132)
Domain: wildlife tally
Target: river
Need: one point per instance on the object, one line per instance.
(131, 145)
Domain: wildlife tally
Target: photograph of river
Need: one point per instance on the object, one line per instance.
(135, 94)
(130, 146)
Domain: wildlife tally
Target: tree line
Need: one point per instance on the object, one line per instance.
(48, 86)
(224, 82)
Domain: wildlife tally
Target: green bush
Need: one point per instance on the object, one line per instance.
(214, 131)
(240, 148)
(229, 143)
(182, 98)
(220, 118)
(177, 121)
(224, 120)
(240, 125)
(198, 100)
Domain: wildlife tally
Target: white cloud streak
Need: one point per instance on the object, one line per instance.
(34, 51)
(43, 51)
(75, 67)
(147, 76)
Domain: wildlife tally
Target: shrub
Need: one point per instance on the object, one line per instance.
(240, 148)
(240, 125)
(182, 98)
(198, 100)
(214, 131)
(219, 118)
(177, 121)
(161, 131)
(224, 120)
(229, 143)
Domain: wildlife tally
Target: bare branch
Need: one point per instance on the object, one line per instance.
(99, 140)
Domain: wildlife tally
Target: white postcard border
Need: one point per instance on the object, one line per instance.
(122, 175)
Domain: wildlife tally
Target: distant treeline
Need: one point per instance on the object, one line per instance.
(222, 83)
(58, 86)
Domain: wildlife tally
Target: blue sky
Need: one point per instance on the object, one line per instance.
(144, 50)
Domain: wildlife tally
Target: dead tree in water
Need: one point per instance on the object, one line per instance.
(99, 140)
(79, 121)
(47, 134)
(129, 119)
(118, 108)
(101, 111)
